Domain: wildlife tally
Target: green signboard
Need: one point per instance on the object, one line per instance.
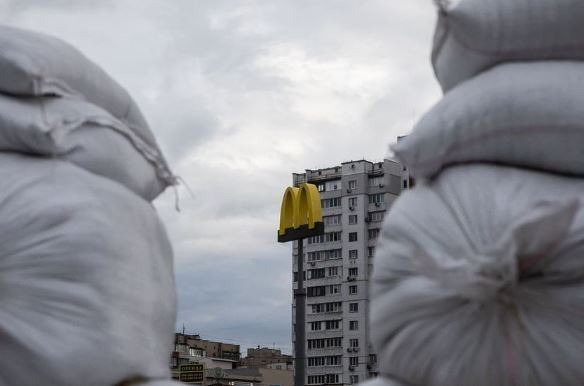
(191, 376)
(191, 367)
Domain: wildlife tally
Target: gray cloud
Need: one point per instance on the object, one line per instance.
(240, 95)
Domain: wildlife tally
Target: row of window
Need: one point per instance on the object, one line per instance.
(326, 307)
(330, 343)
(336, 236)
(319, 308)
(351, 184)
(331, 360)
(325, 325)
(321, 379)
(329, 254)
(335, 202)
(332, 325)
(323, 290)
(320, 273)
(326, 238)
(325, 343)
(354, 219)
(328, 360)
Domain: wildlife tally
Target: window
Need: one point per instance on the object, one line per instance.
(332, 185)
(352, 202)
(334, 342)
(295, 276)
(324, 255)
(317, 308)
(372, 359)
(353, 379)
(333, 271)
(316, 291)
(353, 253)
(314, 256)
(353, 271)
(326, 238)
(353, 236)
(332, 324)
(376, 181)
(326, 307)
(354, 361)
(316, 273)
(376, 198)
(376, 216)
(333, 254)
(352, 219)
(330, 202)
(371, 251)
(405, 184)
(353, 307)
(320, 187)
(316, 239)
(315, 361)
(354, 325)
(352, 184)
(320, 379)
(373, 233)
(316, 343)
(332, 220)
(334, 289)
(354, 343)
(333, 360)
(332, 236)
(352, 290)
(334, 307)
(316, 326)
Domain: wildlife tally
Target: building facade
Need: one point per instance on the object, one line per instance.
(338, 265)
(190, 348)
(264, 356)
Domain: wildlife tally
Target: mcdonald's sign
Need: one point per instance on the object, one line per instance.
(300, 215)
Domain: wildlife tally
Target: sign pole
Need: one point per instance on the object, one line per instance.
(300, 327)
(300, 217)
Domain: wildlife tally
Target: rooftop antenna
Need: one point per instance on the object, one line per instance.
(183, 329)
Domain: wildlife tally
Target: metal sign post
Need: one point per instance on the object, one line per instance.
(300, 217)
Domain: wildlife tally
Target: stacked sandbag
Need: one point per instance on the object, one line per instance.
(86, 267)
(479, 276)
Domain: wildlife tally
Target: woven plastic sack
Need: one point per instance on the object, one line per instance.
(87, 293)
(520, 114)
(474, 35)
(36, 64)
(479, 280)
(381, 381)
(86, 135)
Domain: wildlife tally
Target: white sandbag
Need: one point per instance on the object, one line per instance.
(381, 381)
(35, 64)
(87, 293)
(474, 35)
(161, 383)
(86, 135)
(479, 280)
(521, 114)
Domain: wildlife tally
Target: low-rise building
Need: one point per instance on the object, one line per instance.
(192, 350)
(250, 377)
(262, 357)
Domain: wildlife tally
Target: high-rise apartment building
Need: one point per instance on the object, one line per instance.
(338, 264)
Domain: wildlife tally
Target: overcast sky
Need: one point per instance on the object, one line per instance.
(240, 95)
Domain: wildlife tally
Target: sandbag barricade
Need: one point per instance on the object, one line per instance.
(86, 267)
(478, 274)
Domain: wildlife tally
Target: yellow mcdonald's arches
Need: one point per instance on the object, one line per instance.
(300, 215)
